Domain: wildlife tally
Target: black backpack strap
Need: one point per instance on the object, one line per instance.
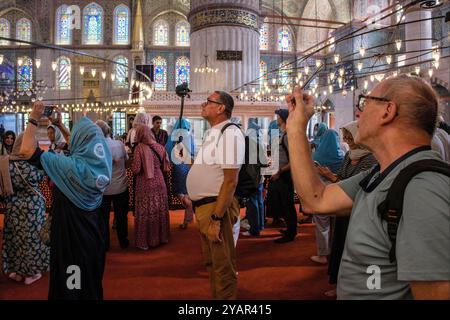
(284, 146)
(391, 208)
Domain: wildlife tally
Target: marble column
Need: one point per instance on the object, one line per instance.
(216, 25)
(418, 30)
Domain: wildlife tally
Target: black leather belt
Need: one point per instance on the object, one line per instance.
(204, 201)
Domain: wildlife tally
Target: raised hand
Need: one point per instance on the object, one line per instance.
(37, 110)
(301, 111)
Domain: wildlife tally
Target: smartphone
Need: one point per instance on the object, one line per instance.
(48, 111)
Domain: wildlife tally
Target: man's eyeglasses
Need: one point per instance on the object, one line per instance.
(362, 101)
(212, 101)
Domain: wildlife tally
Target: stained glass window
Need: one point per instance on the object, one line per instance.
(262, 72)
(284, 73)
(4, 31)
(160, 73)
(121, 72)
(284, 39)
(93, 24)
(119, 125)
(121, 25)
(161, 33)
(23, 30)
(182, 30)
(264, 36)
(63, 71)
(63, 30)
(182, 68)
(25, 74)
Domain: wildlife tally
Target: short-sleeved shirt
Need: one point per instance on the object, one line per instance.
(218, 152)
(423, 236)
(119, 180)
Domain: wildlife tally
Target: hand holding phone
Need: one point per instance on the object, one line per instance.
(48, 110)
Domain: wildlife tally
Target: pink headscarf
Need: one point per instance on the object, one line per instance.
(146, 143)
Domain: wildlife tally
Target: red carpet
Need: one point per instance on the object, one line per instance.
(175, 271)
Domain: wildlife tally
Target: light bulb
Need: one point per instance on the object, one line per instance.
(1, 58)
(336, 58)
(352, 88)
(318, 63)
(113, 76)
(360, 66)
(344, 93)
(19, 61)
(37, 62)
(372, 78)
(341, 72)
(398, 44)
(417, 70)
(330, 89)
(104, 75)
(69, 68)
(389, 59)
(54, 65)
(340, 80)
(436, 64)
(332, 76)
(366, 84)
(430, 72)
(362, 51)
(93, 72)
(306, 70)
(81, 70)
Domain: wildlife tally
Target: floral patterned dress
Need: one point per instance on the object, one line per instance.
(23, 251)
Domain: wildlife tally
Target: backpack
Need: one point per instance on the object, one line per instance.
(391, 208)
(250, 173)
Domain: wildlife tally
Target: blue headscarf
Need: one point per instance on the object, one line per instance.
(329, 154)
(83, 175)
(188, 137)
(321, 129)
(253, 127)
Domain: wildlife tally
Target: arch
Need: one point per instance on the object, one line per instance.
(63, 31)
(63, 73)
(122, 25)
(23, 30)
(93, 24)
(121, 72)
(161, 33)
(160, 73)
(182, 69)
(5, 31)
(182, 30)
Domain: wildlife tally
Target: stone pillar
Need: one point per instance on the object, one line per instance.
(225, 27)
(418, 30)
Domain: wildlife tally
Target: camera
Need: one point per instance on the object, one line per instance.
(48, 111)
(182, 90)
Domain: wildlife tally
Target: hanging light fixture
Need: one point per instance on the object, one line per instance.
(341, 72)
(1, 58)
(417, 70)
(103, 75)
(19, 61)
(306, 70)
(93, 72)
(430, 72)
(336, 58)
(398, 44)
(37, 62)
(318, 63)
(362, 51)
(54, 65)
(332, 76)
(388, 59)
(436, 64)
(372, 78)
(81, 70)
(366, 84)
(330, 88)
(113, 76)
(360, 66)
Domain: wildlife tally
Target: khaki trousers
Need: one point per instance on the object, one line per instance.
(219, 257)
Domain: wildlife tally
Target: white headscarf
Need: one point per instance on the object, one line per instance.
(359, 152)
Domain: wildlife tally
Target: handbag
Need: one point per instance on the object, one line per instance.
(44, 233)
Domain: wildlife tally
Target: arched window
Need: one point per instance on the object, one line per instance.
(262, 72)
(284, 73)
(182, 68)
(23, 30)
(182, 30)
(4, 31)
(284, 39)
(121, 25)
(63, 30)
(121, 71)
(63, 73)
(93, 24)
(25, 74)
(264, 36)
(161, 33)
(160, 73)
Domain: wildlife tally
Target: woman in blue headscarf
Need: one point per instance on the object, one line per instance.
(319, 131)
(76, 241)
(181, 129)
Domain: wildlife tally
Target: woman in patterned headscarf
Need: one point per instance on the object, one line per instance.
(76, 233)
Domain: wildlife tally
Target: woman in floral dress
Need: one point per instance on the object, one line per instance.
(151, 204)
(25, 257)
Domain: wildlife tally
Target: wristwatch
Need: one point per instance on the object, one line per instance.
(214, 217)
(33, 122)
